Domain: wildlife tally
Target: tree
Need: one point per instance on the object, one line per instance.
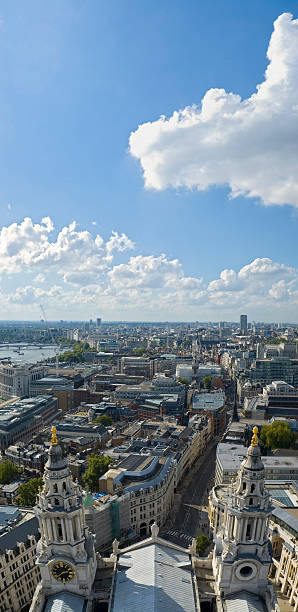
(207, 380)
(104, 419)
(183, 381)
(28, 491)
(139, 351)
(278, 435)
(202, 542)
(8, 472)
(97, 466)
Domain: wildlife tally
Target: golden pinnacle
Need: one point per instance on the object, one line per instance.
(54, 439)
(255, 439)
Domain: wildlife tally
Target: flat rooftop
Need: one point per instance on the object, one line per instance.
(231, 456)
(135, 463)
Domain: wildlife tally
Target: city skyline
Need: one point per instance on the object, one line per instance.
(115, 195)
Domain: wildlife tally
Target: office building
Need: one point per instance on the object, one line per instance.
(15, 378)
(230, 456)
(19, 575)
(212, 405)
(243, 324)
(24, 418)
(283, 533)
(150, 481)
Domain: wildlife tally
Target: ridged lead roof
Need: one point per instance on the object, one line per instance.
(151, 579)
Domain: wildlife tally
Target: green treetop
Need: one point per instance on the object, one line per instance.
(8, 472)
(104, 419)
(202, 542)
(206, 381)
(278, 435)
(97, 466)
(27, 492)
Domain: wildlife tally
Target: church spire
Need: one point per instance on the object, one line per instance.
(239, 514)
(65, 551)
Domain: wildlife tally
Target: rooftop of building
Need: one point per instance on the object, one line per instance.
(231, 456)
(16, 526)
(52, 381)
(289, 517)
(135, 463)
(155, 576)
(65, 602)
(150, 472)
(9, 415)
(208, 401)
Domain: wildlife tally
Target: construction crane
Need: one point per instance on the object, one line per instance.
(52, 337)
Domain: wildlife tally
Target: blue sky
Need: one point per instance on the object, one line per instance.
(78, 78)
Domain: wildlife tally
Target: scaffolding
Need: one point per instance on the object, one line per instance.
(115, 519)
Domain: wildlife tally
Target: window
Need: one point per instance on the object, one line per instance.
(59, 530)
(246, 571)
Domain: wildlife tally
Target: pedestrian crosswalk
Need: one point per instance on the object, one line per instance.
(180, 534)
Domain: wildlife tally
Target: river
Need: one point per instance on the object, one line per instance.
(28, 353)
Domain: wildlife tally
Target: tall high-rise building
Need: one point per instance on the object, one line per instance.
(243, 324)
(98, 322)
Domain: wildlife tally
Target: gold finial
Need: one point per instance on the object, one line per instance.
(54, 439)
(255, 439)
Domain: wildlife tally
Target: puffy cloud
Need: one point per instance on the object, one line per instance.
(75, 255)
(260, 283)
(250, 145)
(76, 273)
(150, 273)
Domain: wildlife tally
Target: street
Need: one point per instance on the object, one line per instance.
(194, 493)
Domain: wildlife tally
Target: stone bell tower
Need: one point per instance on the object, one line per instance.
(239, 514)
(65, 551)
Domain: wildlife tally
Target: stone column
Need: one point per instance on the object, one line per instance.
(78, 522)
(254, 529)
(238, 528)
(244, 529)
(294, 588)
(54, 529)
(286, 571)
(64, 530)
(69, 530)
(282, 556)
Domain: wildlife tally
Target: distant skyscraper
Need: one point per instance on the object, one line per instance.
(98, 322)
(243, 324)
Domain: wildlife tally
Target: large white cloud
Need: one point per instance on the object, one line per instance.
(250, 145)
(76, 273)
(151, 273)
(78, 256)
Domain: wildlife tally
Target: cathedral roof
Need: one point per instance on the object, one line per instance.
(65, 602)
(154, 578)
(243, 601)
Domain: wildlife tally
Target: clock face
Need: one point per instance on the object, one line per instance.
(62, 571)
